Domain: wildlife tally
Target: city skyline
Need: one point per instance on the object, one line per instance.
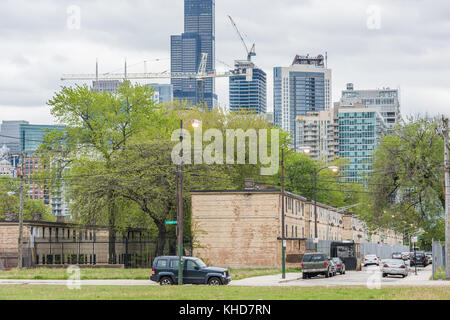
(407, 54)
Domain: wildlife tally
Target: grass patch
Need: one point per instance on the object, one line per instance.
(86, 274)
(34, 292)
(238, 274)
(116, 274)
(439, 275)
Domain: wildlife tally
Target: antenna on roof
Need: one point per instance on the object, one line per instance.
(326, 59)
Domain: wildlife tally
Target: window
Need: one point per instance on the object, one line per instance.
(190, 265)
(174, 264)
(162, 263)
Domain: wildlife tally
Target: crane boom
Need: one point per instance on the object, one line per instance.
(239, 33)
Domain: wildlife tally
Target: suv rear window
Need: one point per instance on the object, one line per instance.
(313, 257)
(162, 263)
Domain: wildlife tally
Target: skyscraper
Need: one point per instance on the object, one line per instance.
(360, 129)
(385, 100)
(187, 49)
(303, 87)
(318, 131)
(10, 133)
(246, 95)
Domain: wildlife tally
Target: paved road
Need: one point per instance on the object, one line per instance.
(369, 276)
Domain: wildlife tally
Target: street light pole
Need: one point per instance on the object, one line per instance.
(20, 243)
(283, 248)
(315, 206)
(180, 209)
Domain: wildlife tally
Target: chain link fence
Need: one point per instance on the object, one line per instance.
(438, 250)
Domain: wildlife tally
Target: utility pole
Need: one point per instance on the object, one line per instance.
(447, 195)
(20, 243)
(283, 241)
(180, 209)
(315, 207)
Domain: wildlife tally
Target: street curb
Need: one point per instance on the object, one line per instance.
(290, 280)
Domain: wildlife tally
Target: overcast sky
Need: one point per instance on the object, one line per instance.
(379, 43)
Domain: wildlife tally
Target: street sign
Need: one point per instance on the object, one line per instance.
(171, 222)
(414, 239)
(284, 243)
(316, 240)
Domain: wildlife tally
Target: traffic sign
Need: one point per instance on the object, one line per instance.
(171, 222)
(414, 239)
(316, 240)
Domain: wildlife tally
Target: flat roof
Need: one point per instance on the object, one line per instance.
(268, 191)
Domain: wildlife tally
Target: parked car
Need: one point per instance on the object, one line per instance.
(340, 265)
(397, 255)
(405, 255)
(419, 259)
(429, 257)
(333, 267)
(370, 259)
(195, 271)
(394, 267)
(314, 264)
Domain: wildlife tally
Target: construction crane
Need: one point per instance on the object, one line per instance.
(250, 53)
(200, 76)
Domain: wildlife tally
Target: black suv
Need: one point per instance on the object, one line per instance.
(195, 271)
(419, 258)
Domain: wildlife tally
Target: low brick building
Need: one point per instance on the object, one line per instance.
(242, 228)
(58, 244)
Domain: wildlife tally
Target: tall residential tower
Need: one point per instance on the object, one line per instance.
(303, 87)
(385, 100)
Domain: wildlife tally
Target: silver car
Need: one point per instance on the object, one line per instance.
(394, 267)
(371, 259)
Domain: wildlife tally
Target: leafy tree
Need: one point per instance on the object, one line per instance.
(405, 189)
(97, 125)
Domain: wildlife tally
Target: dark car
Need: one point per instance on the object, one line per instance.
(340, 266)
(314, 264)
(419, 258)
(195, 271)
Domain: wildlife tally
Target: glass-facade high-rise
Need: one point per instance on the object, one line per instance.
(187, 50)
(32, 135)
(301, 88)
(359, 132)
(385, 100)
(249, 96)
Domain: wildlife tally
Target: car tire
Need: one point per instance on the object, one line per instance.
(214, 281)
(384, 275)
(166, 281)
(343, 271)
(305, 276)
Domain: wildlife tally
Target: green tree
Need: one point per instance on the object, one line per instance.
(97, 125)
(406, 185)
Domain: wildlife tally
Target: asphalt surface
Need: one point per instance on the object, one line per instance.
(370, 277)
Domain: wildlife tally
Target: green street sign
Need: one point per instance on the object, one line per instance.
(171, 222)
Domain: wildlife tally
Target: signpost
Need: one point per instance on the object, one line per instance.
(414, 240)
(171, 222)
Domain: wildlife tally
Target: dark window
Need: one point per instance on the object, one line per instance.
(162, 263)
(174, 264)
(190, 265)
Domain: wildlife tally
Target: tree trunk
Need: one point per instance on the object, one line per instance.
(161, 240)
(112, 231)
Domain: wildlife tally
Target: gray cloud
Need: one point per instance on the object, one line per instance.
(409, 51)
